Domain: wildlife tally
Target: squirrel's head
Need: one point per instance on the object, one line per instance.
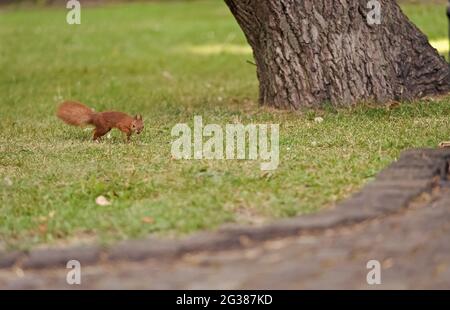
(138, 124)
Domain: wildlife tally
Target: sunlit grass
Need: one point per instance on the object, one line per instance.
(214, 49)
(441, 45)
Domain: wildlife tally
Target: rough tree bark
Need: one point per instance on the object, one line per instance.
(309, 52)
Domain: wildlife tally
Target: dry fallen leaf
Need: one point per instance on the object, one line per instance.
(102, 201)
(168, 76)
(266, 175)
(393, 105)
(42, 228)
(148, 220)
(318, 120)
(444, 144)
(8, 181)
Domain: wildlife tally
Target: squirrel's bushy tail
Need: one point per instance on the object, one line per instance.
(75, 113)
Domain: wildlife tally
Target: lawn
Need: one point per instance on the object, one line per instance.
(169, 62)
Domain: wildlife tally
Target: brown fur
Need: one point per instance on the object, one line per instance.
(77, 114)
(74, 113)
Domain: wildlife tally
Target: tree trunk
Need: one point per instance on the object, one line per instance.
(309, 52)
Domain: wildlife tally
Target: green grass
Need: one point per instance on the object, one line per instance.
(432, 20)
(169, 62)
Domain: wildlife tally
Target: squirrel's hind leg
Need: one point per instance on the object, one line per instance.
(100, 132)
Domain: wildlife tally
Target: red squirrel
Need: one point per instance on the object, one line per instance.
(77, 114)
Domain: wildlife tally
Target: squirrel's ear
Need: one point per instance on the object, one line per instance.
(138, 117)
